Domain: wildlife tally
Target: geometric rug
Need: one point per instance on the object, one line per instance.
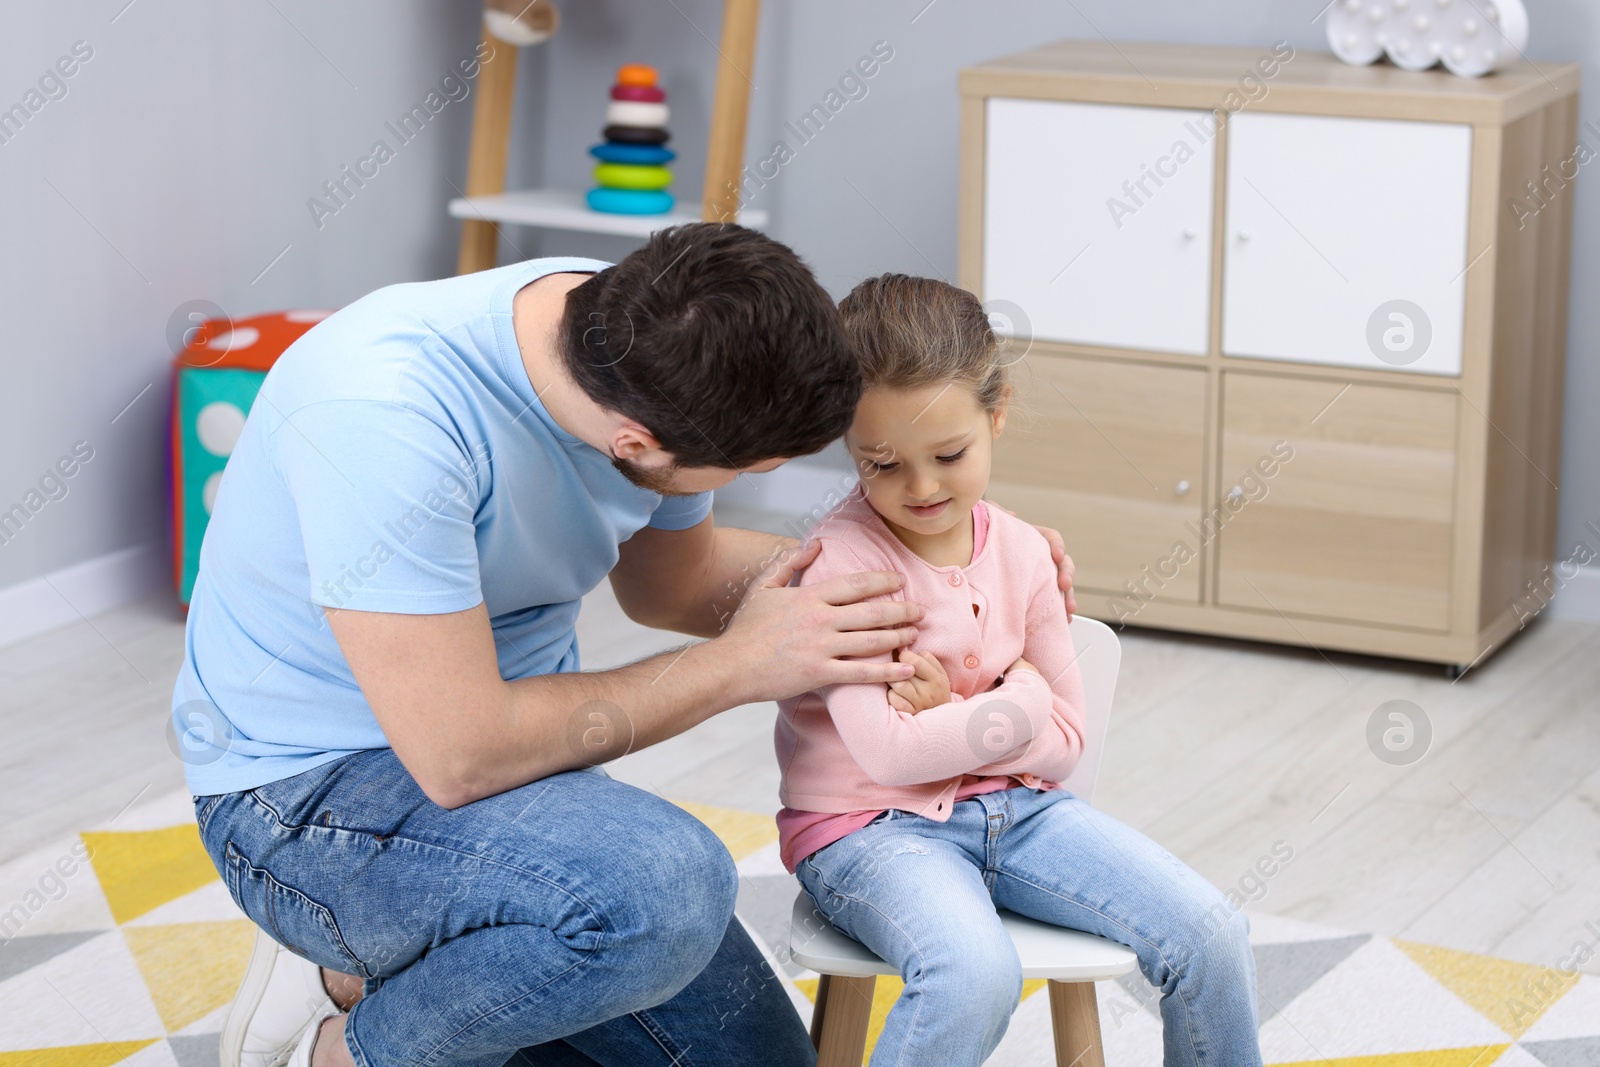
(1326, 997)
(121, 946)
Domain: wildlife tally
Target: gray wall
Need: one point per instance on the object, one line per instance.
(194, 137)
(177, 167)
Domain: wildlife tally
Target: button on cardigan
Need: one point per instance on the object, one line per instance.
(843, 748)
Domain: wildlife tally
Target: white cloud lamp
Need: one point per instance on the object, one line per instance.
(1470, 37)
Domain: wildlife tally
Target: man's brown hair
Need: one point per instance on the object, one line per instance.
(719, 341)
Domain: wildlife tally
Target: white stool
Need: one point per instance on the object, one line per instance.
(1071, 960)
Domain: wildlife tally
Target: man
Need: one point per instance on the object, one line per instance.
(388, 734)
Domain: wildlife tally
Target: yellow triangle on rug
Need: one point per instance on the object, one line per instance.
(1481, 1056)
(191, 969)
(142, 869)
(1509, 994)
(742, 832)
(101, 1055)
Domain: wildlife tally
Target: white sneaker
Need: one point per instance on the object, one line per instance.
(300, 1055)
(280, 996)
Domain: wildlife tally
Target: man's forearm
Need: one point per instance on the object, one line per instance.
(464, 733)
(738, 559)
(561, 722)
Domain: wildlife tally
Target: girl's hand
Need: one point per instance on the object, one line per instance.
(927, 688)
(1021, 664)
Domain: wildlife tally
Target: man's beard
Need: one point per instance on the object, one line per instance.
(648, 478)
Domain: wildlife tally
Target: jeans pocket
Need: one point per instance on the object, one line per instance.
(289, 917)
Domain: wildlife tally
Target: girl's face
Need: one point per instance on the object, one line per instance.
(924, 455)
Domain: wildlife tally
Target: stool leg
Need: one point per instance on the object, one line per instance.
(819, 1010)
(839, 1020)
(1075, 1018)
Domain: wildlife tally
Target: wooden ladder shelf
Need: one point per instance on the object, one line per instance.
(487, 205)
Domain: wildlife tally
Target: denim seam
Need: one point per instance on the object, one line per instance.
(451, 849)
(1188, 1013)
(438, 1050)
(236, 859)
(351, 1042)
(992, 839)
(679, 1057)
(433, 1056)
(204, 806)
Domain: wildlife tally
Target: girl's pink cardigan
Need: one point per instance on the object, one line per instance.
(844, 749)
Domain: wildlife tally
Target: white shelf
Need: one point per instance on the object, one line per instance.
(564, 209)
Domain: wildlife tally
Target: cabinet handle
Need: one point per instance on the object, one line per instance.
(1236, 492)
(1244, 235)
(1188, 233)
(1182, 488)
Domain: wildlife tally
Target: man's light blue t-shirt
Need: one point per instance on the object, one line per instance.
(397, 459)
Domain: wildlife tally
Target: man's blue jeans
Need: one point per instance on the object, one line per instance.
(922, 895)
(573, 921)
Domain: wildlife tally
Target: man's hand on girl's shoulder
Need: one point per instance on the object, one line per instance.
(788, 639)
(1064, 567)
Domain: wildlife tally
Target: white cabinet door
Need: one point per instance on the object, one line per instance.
(1346, 241)
(1097, 222)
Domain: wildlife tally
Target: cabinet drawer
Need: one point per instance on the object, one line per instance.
(1097, 221)
(1331, 224)
(1111, 454)
(1358, 524)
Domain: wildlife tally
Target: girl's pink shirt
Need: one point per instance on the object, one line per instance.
(847, 755)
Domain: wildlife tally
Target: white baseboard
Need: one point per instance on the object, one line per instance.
(83, 589)
(1579, 596)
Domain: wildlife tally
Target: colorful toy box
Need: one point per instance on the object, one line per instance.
(215, 380)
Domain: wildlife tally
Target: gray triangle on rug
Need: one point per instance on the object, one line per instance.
(194, 1050)
(1565, 1052)
(24, 952)
(1286, 969)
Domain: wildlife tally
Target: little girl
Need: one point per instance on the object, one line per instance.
(913, 811)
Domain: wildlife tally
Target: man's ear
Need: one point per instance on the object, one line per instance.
(631, 441)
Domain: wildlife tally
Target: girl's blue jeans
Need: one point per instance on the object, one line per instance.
(574, 921)
(922, 895)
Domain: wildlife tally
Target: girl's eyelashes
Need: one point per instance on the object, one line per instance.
(871, 466)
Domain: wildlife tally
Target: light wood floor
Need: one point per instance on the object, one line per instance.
(1217, 749)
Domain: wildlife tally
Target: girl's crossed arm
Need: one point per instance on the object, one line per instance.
(897, 747)
(1053, 752)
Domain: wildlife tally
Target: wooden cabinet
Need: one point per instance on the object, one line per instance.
(1294, 318)
(1134, 434)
